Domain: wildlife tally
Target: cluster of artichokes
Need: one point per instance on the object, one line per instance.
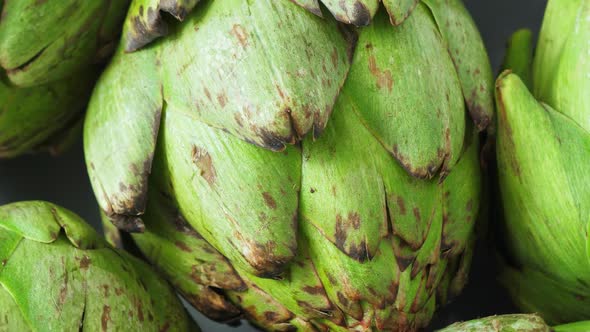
(305, 165)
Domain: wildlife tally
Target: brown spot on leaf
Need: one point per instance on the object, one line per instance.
(106, 317)
(270, 316)
(240, 33)
(85, 262)
(384, 78)
(207, 93)
(140, 311)
(222, 99)
(354, 219)
(202, 160)
(401, 205)
(417, 214)
(342, 299)
(314, 290)
(269, 200)
(334, 57)
(469, 206)
(182, 246)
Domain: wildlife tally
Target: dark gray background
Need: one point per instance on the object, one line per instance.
(64, 181)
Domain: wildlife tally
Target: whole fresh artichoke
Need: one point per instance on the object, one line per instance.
(58, 274)
(544, 171)
(50, 56)
(197, 143)
(515, 323)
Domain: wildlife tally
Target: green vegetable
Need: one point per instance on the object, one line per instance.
(544, 169)
(50, 56)
(514, 323)
(57, 274)
(281, 166)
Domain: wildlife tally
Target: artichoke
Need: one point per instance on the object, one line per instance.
(515, 323)
(50, 56)
(57, 274)
(542, 149)
(196, 143)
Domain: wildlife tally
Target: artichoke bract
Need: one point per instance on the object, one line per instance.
(51, 53)
(290, 169)
(515, 323)
(58, 274)
(542, 150)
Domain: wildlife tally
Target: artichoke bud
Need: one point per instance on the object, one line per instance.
(514, 323)
(80, 282)
(502, 323)
(543, 171)
(265, 221)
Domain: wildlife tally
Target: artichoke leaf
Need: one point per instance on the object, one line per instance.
(461, 200)
(272, 75)
(558, 23)
(469, 56)
(393, 69)
(144, 21)
(531, 161)
(197, 265)
(519, 55)
(125, 109)
(569, 92)
(535, 291)
(508, 323)
(240, 198)
(29, 115)
(63, 38)
(356, 12)
(312, 5)
(399, 10)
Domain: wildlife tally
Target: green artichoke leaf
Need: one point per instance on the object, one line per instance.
(469, 57)
(569, 91)
(272, 75)
(79, 281)
(519, 55)
(582, 326)
(536, 149)
(65, 35)
(393, 70)
(145, 23)
(240, 198)
(20, 218)
(558, 23)
(11, 319)
(29, 115)
(502, 323)
(356, 12)
(196, 266)
(267, 312)
(300, 289)
(312, 5)
(461, 193)
(535, 291)
(124, 112)
(361, 12)
(399, 10)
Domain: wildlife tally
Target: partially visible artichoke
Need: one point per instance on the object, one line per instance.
(514, 323)
(287, 168)
(544, 165)
(50, 56)
(58, 274)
